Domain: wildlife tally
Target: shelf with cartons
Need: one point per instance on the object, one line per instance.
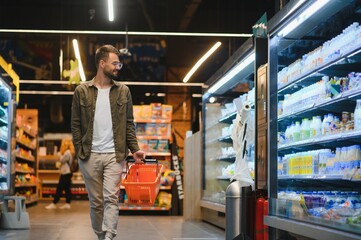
(153, 129)
(48, 174)
(26, 154)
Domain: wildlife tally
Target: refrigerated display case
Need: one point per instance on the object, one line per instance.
(313, 139)
(6, 122)
(231, 86)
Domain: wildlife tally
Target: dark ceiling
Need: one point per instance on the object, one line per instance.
(181, 53)
(209, 16)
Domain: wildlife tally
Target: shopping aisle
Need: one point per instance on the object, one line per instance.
(75, 224)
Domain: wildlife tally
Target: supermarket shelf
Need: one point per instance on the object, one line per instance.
(318, 69)
(229, 118)
(24, 171)
(47, 171)
(325, 139)
(309, 230)
(25, 158)
(229, 158)
(152, 120)
(27, 132)
(213, 206)
(3, 122)
(72, 192)
(355, 93)
(56, 182)
(223, 178)
(25, 185)
(25, 145)
(227, 139)
(154, 137)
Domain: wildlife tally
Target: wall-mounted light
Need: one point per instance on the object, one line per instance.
(77, 56)
(201, 60)
(212, 99)
(110, 10)
(196, 95)
(303, 17)
(229, 75)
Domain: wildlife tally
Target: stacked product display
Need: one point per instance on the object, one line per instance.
(224, 142)
(26, 154)
(153, 130)
(315, 143)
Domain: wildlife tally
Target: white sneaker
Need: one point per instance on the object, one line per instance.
(51, 206)
(65, 206)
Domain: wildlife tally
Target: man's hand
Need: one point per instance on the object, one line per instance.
(139, 156)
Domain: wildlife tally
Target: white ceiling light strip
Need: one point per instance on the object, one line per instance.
(201, 60)
(302, 17)
(77, 55)
(229, 75)
(176, 34)
(110, 10)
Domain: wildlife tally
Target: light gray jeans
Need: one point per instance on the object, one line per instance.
(102, 176)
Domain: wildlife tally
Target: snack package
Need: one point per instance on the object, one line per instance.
(156, 110)
(163, 145)
(167, 112)
(151, 129)
(153, 145)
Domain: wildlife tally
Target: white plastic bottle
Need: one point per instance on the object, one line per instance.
(357, 115)
(318, 126)
(325, 126)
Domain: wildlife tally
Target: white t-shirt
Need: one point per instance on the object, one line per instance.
(103, 140)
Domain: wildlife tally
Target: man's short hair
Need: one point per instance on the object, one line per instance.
(102, 53)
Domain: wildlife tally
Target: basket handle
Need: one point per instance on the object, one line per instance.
(149, 160)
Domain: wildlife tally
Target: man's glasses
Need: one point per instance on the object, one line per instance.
(117, 64)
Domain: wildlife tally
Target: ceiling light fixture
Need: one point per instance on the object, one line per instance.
(110, 10)
(229, 75)
(201, 60)
(160, 94)
(77, 56)
(303, 17)
(135, 33)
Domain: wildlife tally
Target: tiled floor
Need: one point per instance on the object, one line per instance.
(75, 224)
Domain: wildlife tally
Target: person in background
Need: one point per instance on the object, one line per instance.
(103, 130)
(67, 153)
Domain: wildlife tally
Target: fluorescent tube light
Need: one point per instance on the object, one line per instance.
(302, 17)
(229, 75)
(77, 56)
(110, 10)
(201, 60)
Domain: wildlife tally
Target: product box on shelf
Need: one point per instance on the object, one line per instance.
(167, 111)
(156, 110)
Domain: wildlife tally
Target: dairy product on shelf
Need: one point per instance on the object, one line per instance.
(357, 115)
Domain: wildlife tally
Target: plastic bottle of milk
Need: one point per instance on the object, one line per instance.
(357, 115)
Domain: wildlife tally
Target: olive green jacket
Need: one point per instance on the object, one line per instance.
(82, 119)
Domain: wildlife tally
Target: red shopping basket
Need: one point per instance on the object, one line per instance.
(142, 182)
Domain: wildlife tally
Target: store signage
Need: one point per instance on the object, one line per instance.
(178, 177)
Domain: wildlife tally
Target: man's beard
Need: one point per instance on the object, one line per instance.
(111, 74)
